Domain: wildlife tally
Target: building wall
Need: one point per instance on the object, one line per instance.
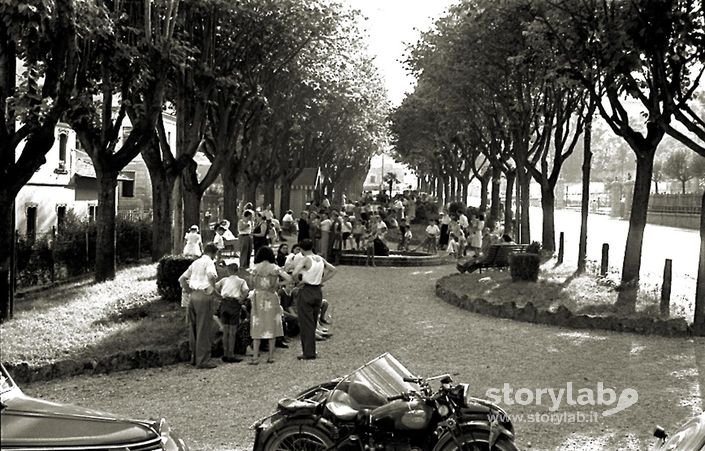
(47, 199)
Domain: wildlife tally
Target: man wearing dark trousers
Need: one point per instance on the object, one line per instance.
(244, 237)
(199, 282)
(314, 270)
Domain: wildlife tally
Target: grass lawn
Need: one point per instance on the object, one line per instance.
(86, 319)
(558, 285)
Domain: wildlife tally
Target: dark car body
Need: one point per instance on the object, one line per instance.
(28, 423)
(690, 437)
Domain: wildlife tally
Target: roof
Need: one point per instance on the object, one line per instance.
(85, 169)
(308, 177)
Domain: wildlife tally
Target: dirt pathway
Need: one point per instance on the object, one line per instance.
(395, 310)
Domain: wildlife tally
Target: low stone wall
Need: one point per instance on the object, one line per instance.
(562, 316)
(394, 259)
(122, 361)
(682, 220)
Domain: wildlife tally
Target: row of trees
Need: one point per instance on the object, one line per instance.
(263, 88)
(510, 89)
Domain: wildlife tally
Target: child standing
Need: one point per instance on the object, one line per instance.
(358, 231)
(233, 290)
(193, 246)
(369, 243)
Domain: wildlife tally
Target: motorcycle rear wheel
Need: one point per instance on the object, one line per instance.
(475, 441)
(299, 437)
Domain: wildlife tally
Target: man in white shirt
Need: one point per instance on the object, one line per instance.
(199, 282)
(314, 270)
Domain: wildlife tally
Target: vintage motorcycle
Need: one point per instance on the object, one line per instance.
(382, 406)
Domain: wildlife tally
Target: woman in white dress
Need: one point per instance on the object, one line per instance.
(193, 245)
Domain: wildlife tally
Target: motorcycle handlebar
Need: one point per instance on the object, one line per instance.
(397, 397)
(413, 380)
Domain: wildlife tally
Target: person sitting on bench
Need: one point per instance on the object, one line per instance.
(476, 262)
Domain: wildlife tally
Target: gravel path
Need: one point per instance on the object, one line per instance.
(395, 309)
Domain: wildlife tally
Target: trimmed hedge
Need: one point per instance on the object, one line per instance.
(524, 267)
(169, 270)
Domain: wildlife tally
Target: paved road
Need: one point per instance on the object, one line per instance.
(682, 246)
(395, 309)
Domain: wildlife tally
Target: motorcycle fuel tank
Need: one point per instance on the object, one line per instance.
(411, 415)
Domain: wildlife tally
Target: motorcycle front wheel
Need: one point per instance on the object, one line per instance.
(299, 437)
(474, 441)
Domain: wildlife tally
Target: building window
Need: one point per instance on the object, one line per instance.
(373, 179)
(128, 186)
(168, 138)
(91, 213)
(60, 217)
(125, 134)
(31, 223)
(63, 138)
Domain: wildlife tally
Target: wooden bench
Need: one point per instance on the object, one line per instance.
(497, 257)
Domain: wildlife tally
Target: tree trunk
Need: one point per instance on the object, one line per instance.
(177, 215)
(683, 186)
(192, 208)
(585, 198)
(7, 238)
(453, 187)
(446, 190)
(699, 321)
(637, 220)
(484, 192)
(269, 192)
(230, 195)
(494, 204)
(548, 205)
(105, 225)
(251, 192)
(285, 200)
(162, 188)
(466, 191)
(524, 181)
(508, 194)
(439, 189)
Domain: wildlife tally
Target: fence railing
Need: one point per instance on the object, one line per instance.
(675, 203)
(45, 258)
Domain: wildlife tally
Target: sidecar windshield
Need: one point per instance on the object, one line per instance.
(371, 384)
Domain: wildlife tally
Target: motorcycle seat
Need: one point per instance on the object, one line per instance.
(297, 405)
(341, 411)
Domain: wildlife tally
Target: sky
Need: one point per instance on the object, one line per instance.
(391, 25)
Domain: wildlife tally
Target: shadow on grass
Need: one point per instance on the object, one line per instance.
(44, 300)
(157, 324)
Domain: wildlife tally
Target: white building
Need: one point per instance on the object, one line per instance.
(67, 181)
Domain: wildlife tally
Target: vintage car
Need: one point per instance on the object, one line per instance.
(28, 424)
(690, 437)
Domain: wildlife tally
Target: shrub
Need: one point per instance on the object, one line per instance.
(533, 248)
(425, 210)
(34, 262)
(455, 208)
(134, 239)
(169, 270)
(524, 267)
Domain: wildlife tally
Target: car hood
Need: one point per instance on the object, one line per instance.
(28, 422)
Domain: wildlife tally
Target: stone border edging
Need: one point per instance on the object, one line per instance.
(404, 261)
(121, 361)
(562, 316)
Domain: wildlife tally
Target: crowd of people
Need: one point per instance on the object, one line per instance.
(277, 296)
(263, 304)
